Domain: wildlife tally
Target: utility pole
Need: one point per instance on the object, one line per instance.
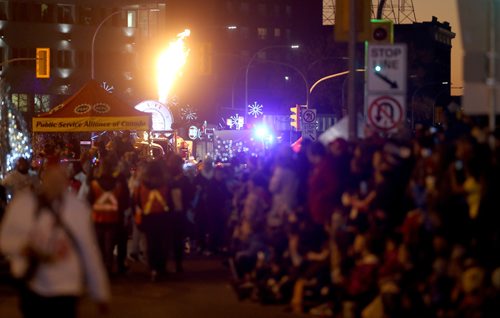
(352, 111)
(491, 79)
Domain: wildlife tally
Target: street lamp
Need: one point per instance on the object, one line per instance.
(330, 77)
(293, 47)
(92, 53)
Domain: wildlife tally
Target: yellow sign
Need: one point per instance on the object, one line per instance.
(90, 124)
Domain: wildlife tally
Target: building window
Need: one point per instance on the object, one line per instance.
(288, 11)
(245, 32)
(20, 102)
(65, 14)
(245, 7)
(64, 59)
(2, 57)
(22, 53)
(3, 10)
(229, 6)
(117, 19)
(86, 15)
(20, 11)
(288, 34)
(82, 59)
(277, 32)
(45, 12)
(262, 33)
(276, 10)
(132, 19)
(42, 103)
(262, 9)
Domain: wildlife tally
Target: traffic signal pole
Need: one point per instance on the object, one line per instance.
(491, 80)
(352, 111)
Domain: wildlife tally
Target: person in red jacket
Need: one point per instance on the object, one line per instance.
(109, 198)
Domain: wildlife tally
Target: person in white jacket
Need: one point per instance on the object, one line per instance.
(56, 228)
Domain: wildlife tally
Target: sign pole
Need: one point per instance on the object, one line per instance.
(352, 111)
(491, 81)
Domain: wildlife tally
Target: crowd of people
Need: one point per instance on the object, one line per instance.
(401, 227)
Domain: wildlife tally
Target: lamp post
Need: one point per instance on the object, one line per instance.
(254, 56)
(92, 52)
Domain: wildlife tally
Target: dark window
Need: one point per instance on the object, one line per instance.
(288, 11)
(3, 10)
(81, 59)
(20, 11)
(245, 7)
(22, 53)
(64, 59)
(47, 12)
(262, 9)
(116, 20)
(229, 6)
(245, 32)
(86, 15)
(65, 14)
(2, 57)
(276, 10)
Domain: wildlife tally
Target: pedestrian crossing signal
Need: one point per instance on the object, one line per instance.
(42, 63)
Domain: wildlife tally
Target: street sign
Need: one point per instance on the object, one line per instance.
(386, 68)
(309, 116)
(386, 113)
(309, 124)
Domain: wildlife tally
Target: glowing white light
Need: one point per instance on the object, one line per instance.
(169, 65)
(107, 87)
(255, 110)
(236, 121)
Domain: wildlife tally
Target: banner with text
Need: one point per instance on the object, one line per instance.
(91, 124)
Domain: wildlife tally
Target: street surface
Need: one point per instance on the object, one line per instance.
(202, 291)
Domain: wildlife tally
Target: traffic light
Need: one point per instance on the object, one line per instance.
(42, 62)
(295, 117)
(343, 21)
(382, 32)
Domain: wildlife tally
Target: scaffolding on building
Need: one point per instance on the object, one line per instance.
(399, 11)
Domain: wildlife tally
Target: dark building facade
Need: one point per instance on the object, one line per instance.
(121, 47)
(226, 34)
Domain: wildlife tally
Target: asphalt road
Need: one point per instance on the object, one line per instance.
(201, 291)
